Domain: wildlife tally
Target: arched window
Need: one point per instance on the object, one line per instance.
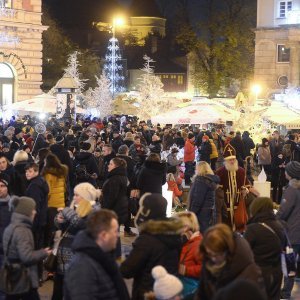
(6, 84)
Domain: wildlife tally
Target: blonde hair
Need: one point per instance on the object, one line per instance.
(20, 155)
(170, 177)
(84, 208)
(203, 168)
(189, 219)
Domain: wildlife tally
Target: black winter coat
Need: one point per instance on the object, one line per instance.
(39, 143)
(205, 151)
(114, 193)
(152, 177)
(93, 274)
(18, 179)
(155, 147)
(240, 265)
(87, 159)
(248, 144)
(38, 190)
(130, 167)
(116, 143)
(5, 216)
(267, 248)
(159, 243)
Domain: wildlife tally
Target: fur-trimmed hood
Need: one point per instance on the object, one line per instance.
(171, 226)
(167, 231)
(295, 183)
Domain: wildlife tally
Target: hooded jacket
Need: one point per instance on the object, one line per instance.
(159, 243)
(289, 210)
(38, 190)
(152, 177)
(114, 193)
(93, 274)
(22, 245)
(240, 265)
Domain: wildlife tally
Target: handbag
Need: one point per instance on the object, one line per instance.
(288, 257)
(50, 263)
(14, 277)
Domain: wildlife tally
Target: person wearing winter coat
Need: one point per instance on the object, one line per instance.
(266, 238)
(5, 210)
(152, 175)
(179, 140)
(164, 237)
(108, 155)
(55, 175)
(93, 272)
(172, 186)
(202, 195)
(155, 146)
(289, 211)
(21, 248)
(227, 257)
(190, 263)
(18, 180)
(248, 143)
(205, 149)
(137, 149)
(117, 141)
(70, 220)
(264, 156)
(86, 169)
(189, 158)
(238, 144)
(214, 154)
(114, 192)
(278, 179)
(128, 140)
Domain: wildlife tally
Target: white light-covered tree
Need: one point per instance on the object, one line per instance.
(151, 94)
(99, 102)
(73, 70)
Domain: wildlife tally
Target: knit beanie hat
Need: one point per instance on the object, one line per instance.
(261, 204)
(87, 191)
(152, 207)
(23, 205)
(85, 146)
(293, 169)
(59, 139)
(166, 286)
(4, 178)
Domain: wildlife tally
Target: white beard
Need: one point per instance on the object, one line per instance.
(229, 167)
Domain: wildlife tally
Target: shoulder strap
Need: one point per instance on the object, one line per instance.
(268, 227)
(9, 242)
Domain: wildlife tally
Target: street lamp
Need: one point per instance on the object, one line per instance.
(256, 89)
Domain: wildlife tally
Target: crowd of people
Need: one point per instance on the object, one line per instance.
(65, 190)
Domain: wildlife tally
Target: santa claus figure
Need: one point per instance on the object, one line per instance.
(235, 187)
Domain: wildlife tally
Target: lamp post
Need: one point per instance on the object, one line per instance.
(112, 67)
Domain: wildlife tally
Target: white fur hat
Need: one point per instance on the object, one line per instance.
(166, 285)
(87, 191)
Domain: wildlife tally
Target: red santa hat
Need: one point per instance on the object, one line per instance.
(229, 152)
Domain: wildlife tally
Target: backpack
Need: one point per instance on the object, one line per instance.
(286, 150)
(81, 173)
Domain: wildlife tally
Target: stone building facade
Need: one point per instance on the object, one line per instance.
(277, 45)
(20, 50)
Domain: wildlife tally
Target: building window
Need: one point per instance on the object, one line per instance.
(283, 54)
(6, 84)
(180, 79)
(284, 7)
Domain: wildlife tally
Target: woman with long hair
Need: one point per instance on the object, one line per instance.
(264, 156)
(55, 175)
(202, 195)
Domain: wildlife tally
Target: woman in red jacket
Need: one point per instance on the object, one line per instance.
(172, 186)
(190, 262)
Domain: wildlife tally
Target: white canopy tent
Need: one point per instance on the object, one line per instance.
(43, 103)
(200, 112)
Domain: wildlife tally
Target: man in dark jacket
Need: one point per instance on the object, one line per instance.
(248, 143)
(117, 141)
(108, 154)
(93, 272)
(238, 145)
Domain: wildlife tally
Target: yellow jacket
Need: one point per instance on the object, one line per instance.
(57, 190)
(214, 151)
